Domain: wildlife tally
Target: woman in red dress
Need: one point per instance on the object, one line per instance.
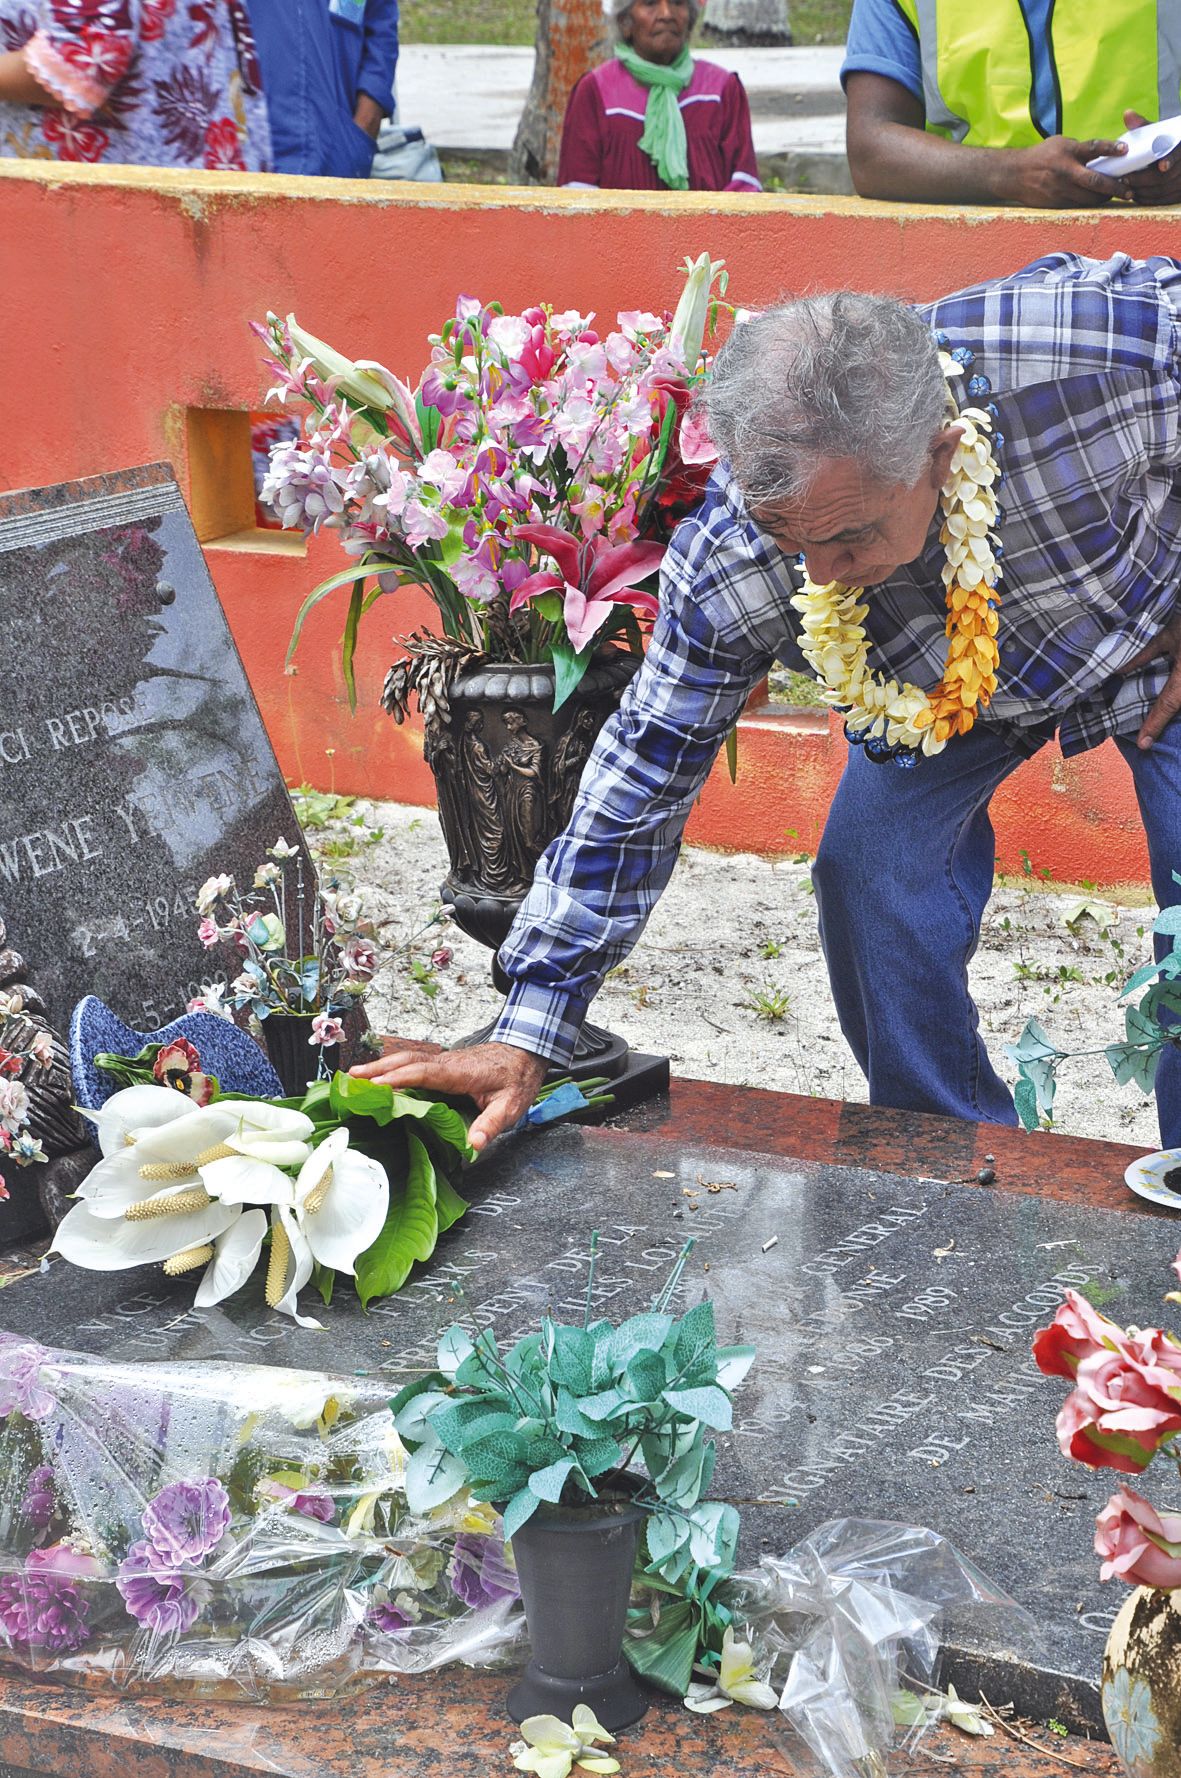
(653, 118)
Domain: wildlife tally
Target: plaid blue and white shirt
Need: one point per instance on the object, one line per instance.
(1083, 361)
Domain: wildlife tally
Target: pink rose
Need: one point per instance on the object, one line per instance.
(1076, 1332)
(207, 932)
(1138, 1545)
(441, 957)
(1125, 1405)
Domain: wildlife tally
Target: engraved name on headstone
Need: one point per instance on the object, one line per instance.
(892, 1319)
(133, 759)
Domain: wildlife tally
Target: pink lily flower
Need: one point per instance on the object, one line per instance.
(593, 576)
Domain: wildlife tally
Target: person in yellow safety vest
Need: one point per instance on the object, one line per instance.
(951, 101)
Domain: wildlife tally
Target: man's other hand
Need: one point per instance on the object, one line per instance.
(368, 115)
(502, 1080)
(1168, 646)
(1160, 184)
(1054, 174)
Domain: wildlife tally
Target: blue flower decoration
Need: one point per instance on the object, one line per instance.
(964, 357)
(978, 387)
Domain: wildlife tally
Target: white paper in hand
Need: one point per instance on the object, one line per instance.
(1147, 144)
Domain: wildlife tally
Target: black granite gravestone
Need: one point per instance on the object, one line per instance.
(133, 760)
(892, 1318)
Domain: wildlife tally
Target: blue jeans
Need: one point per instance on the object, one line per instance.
(902, 878)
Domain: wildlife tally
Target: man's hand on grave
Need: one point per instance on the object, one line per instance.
(1168, 645)
(502, 1080)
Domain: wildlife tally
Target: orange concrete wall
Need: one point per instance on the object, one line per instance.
(124, 298)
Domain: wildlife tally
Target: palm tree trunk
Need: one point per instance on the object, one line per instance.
(571, 36)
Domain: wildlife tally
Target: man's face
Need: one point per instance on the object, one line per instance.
(855, 530)
(658, 30)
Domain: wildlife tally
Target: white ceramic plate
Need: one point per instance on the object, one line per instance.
(1146, 1177)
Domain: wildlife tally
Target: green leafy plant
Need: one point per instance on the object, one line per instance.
(770, 1003)
(572, 1413)
(1150, 1026)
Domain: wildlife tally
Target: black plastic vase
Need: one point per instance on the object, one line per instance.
(295, 1059)
(575, 1567)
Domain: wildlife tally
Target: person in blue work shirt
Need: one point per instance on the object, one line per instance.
(328, 74)
(951, 102)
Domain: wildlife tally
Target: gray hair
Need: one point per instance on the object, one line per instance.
(842, 375)
(617, 11)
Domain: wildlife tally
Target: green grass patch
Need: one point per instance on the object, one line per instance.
(513, 21)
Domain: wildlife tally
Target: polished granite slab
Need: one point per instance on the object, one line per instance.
(892, 1311)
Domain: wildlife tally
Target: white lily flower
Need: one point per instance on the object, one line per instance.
(734, 1683)
(157, 1160)
(552, 1747)
(341, 1202)
(235, 1255)
(370, 387)
(290, 1266)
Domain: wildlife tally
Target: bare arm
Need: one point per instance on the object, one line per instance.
(892, 155)
(17, 85)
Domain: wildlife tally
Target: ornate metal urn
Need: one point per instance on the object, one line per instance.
(507, 767)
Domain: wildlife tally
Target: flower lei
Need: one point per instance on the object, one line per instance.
(900, 721)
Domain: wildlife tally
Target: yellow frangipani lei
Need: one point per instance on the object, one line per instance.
(834, 643)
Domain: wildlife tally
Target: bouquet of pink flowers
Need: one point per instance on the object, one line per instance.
(1125, 1410)
(527, 483)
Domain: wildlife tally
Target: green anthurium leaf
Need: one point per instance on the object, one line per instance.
(449, 1206)
(426, 1392)
(454, 1346)
(465, 1423)
(665, 1656)
(568, 1418)
(710, 1405)
(1131, 1061)
(696, 1338)
(666, 1533)
(519, 1510)
(713, 1537)
(573, 1354)
(1025, 1099)
(645, 1376)
(596, 1456)
(568, 669)
(733, 1362)
(444, 1120)
(601, 1406)
(409, 1232)
(433, 1475)
(323, 1278)
(548, 1483)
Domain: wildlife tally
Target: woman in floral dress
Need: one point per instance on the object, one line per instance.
(161, 83)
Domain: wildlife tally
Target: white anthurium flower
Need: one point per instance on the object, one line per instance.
(264, 1140)
(734, 1682)
(235, 1255)
(114, 1244)
(157, 1161)
(290, 1266)
(134, 1108)
(341, 1201)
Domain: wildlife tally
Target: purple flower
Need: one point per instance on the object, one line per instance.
(390, 1619)
(313, 1503)
(20, 1379)
(159, 1594)
(187, 1519)
(43, 1607)
(40, 1501)
(479, 1571)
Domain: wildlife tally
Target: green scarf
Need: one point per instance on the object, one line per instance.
(663, 140)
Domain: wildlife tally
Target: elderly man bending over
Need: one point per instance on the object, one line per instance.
(839, 445)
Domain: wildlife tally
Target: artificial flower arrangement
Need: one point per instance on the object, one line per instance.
(1150, 1029)
(228, 1530)
(266, 928)
(528, 482)
(26, 1050)
(351, 1177)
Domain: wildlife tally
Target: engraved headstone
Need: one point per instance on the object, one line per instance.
(133, 759)
(892, 1318)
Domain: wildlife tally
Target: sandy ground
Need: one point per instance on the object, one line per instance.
(728, 979)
